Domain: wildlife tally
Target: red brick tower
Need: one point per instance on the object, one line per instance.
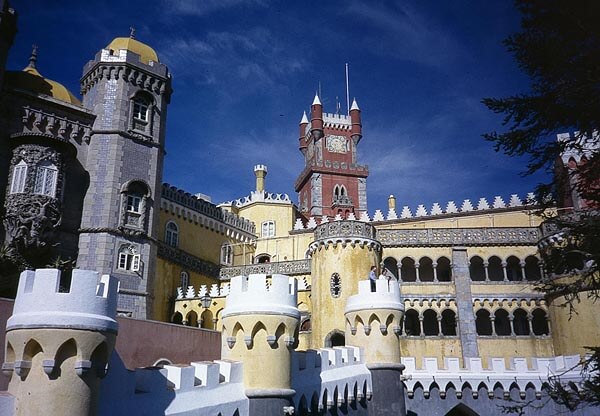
(332, 182)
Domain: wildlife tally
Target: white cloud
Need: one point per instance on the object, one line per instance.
(205, 7)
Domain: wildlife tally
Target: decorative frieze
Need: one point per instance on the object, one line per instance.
(431, 237)
(38, 122)
(290, 268)
(188, 261)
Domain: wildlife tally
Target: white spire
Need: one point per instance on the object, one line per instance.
(354, 105)
(316, 101)
(304, 119)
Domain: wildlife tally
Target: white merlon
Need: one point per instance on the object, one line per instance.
(378, 216)
(254, 294)
(421, 211)
(354, 105)
(364, 217)
(321, 372)
(90, 304)
(483, 204)
(254, 196)
(392, 214)
(312, 223)
(515, 201)
(405, 212)
(338, 217)
(499, 202)
(214, 291)
(436, 209)
(466, 206)
(351, 217)
(386, 296)
(451, 208)
(451, 375)
(298, 225)
(340, 121)
(324, 219)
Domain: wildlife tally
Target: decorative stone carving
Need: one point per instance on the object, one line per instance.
(31, 221)
(290, 268)
(56, 126)
(187, 260)
(344, 229)
(459, 237)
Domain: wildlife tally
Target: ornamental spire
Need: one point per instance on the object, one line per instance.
(132, 32)
(33, 57)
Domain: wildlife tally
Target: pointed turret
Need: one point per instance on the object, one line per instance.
(316, 118)
(302, 137)
(356, 122)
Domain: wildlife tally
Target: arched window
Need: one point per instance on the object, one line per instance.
(411, 323)
(226, 254)
(268, 229)
(19, 178)
(129, 260)
(477, 269)
(444, 271)
(430, 323)
(513, 269)
(184, 280)
(391, 265)
(336, 192)
(448, 322)
(532, 268)
(263, 258)
(45, 179)
(426, 269)
(520, 322)
(140, 109)
(134, 199)
(540, 322)
(495, 271)
(407, 270)
(483, 324)
(172, 234)
(501, 322)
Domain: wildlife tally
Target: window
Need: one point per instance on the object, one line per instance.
(335, 285)
(185, 280)
(128, 259)
(140, 110)
(226, 254)
(268, 229)
(172, 234)
(45, 179)
(19, 177)
(134, 204)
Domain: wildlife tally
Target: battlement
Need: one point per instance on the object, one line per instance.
(258, 294)
(205, 387)
(339, 121)
(518, 373)
(386, 296)
(329, 372)
(272, 198)
(90, 303)
(260, 168)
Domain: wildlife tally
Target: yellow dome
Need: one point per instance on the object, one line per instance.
(145, 52)
(30, 80)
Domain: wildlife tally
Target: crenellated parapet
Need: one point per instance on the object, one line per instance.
(260, 323)
(89, 304)
(353, 233)
(520, 374)
(198, 388)
(330, 377)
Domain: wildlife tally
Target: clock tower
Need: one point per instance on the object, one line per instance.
(332, 182)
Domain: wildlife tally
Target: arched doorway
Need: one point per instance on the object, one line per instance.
(335, 338)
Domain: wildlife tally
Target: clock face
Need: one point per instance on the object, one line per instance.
(337, 144)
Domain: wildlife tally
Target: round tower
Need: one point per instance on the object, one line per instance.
(302, 145)
(260, 171)
(392, 203)
(260, 327)
(373, 323)
(58, 343)
(356, 122)
(343, 253)
(316, 118)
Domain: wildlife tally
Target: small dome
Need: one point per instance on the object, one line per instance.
(145, 52)
(31, 80)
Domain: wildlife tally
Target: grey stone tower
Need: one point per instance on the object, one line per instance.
(128, 89)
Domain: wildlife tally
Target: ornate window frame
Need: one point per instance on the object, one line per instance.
(128, 258)
(172, 233)
(267, 229)
(19, 178)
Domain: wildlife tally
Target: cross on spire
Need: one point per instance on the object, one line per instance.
(132, 32)
(33, 57)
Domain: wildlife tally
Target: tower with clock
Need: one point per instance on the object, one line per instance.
(332, 182)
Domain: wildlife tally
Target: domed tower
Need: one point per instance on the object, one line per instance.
(128, 89)
(373, 322)
(58, 343)
(343, 253)
(260, 326)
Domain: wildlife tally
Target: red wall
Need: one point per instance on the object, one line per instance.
(141, 343)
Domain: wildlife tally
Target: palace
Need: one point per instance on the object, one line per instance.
(453, 326)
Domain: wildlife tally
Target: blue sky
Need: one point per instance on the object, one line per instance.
(244, 70)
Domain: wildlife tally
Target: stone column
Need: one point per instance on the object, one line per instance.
(464, 302)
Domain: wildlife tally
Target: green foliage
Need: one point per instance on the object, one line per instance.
(558, 47)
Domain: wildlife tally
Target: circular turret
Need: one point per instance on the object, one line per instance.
(146, 53)
(58, 343)
(342, 253)
(260, 326)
